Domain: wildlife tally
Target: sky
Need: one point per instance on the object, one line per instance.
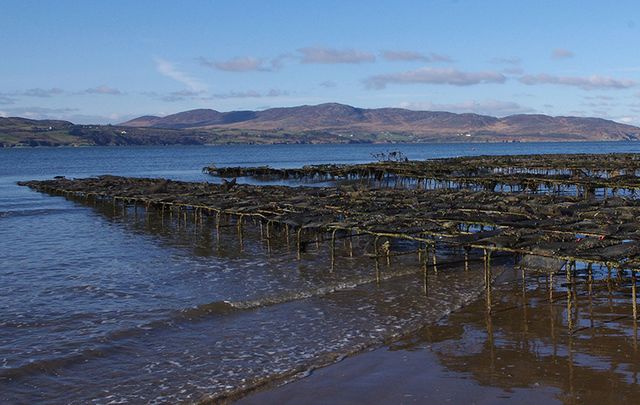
(109, 61)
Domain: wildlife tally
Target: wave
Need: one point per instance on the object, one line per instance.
(35, 212)
(51, 365)
(224, 307)
(301, 371)
(107, 343)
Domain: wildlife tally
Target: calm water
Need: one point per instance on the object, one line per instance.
(109, 306)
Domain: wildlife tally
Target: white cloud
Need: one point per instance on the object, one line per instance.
(331, 56)
(239, 64)
(242, 64)
(246, 63)
(169, 70)
(104, 90)
(434, 76)
(404, 56)
(585, 83)
(410, 56)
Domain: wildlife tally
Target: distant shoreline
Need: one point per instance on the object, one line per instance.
(328, 123)
(440, 142)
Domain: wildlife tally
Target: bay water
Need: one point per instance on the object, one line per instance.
(101, 305)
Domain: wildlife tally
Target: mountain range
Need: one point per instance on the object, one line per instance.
(345, 119)
(323, 123)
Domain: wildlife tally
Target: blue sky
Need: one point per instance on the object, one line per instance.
(107, 61)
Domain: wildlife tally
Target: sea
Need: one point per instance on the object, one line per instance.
(104, 305)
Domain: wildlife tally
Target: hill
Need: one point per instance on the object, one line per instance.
(324, 123)
(413, 125)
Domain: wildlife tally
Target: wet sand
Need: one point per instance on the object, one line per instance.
(386, 376)
(526, 350)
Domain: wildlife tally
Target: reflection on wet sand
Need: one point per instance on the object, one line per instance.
(578, 335)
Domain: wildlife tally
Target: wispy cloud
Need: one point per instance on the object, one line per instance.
(403, 56)
(510, 60)
(174, 95)
(438, 57)
(434, 76)
(598, 104)
(182, 95)
(515, 70)
(238, 64)
(561, 53)
(43, 93)
(187, 93)
(5, 100)
(599, 97)
(170, 70)
(511, 63)
(585, 83)
(104, 90)
(278, 62)
(46, 93)
(485, 107)
(328, 84)
(203, 96)
(410, 56)
(246, 63)
(170, 98)
(276, 93)
(251, 94)
(330, 56)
